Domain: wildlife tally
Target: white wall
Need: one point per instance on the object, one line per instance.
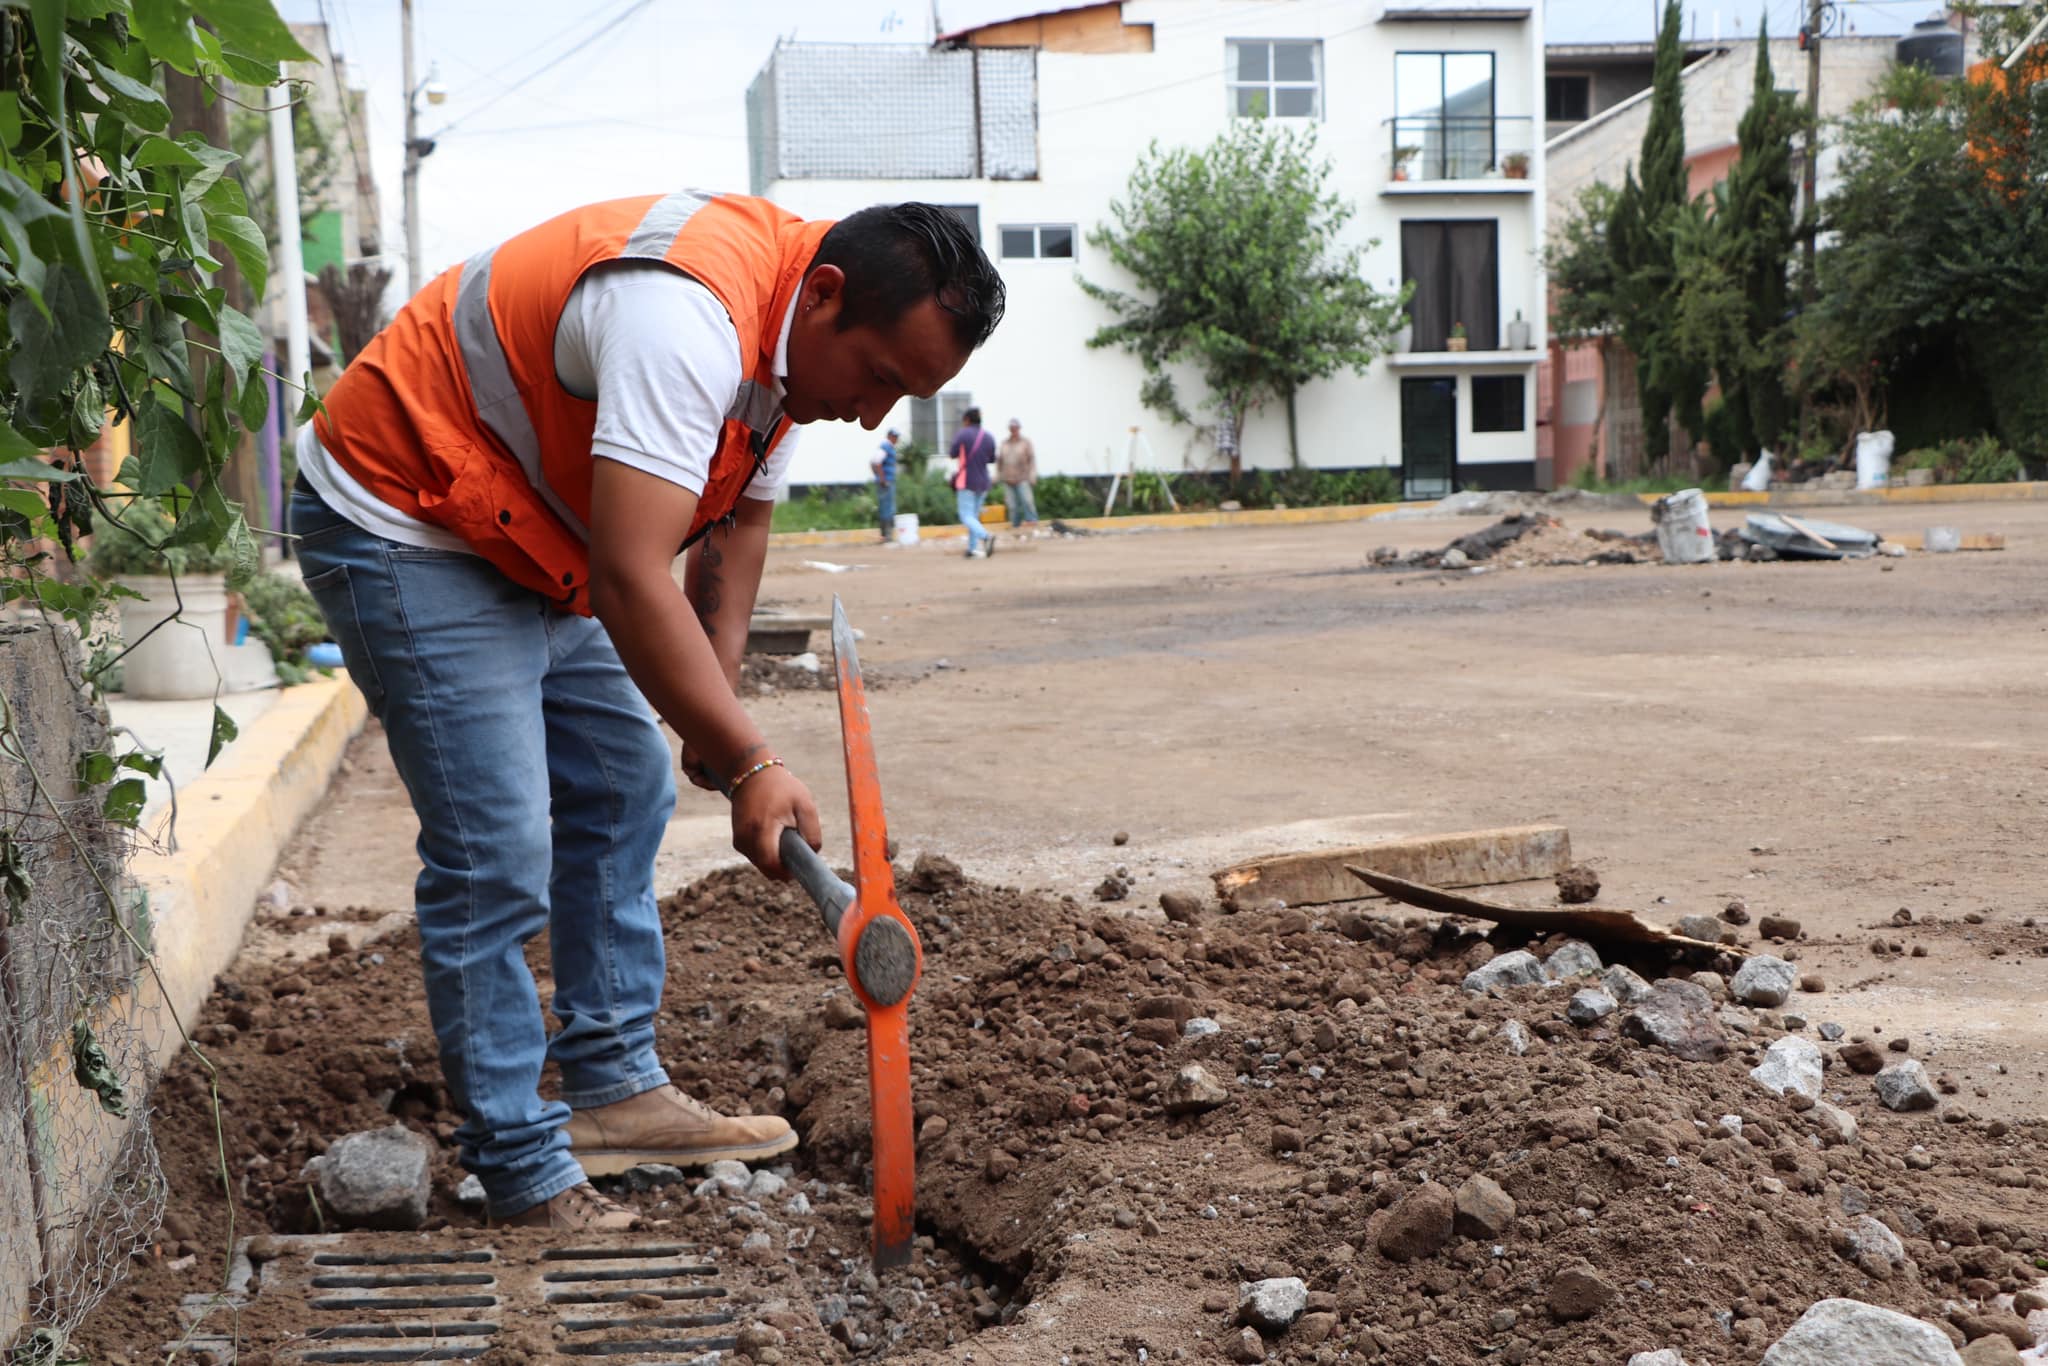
(1097, 114)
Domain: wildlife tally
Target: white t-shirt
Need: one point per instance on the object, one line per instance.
(657, 352)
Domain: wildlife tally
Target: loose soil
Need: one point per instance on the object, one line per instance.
(1828, 741)
(1068, 1215)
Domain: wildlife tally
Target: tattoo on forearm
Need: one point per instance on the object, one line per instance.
(706, 586)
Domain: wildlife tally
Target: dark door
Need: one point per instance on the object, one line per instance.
(1429, 437)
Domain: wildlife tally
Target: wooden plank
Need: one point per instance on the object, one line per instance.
(1473, 858)
(1982, 540)
(1808, 532)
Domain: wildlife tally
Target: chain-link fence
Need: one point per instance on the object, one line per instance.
(893, 111)
(81, 1189)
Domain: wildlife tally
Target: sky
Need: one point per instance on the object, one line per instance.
(550, 105)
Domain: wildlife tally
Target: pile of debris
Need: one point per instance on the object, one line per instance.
(1526, 538)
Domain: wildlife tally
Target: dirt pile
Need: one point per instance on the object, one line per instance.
(1450, 1176)
(1522, 539)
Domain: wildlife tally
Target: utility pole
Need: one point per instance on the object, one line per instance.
(1809, 175)
(413, 153)
(291, 260)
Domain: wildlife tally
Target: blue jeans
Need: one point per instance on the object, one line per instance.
(542, 786)
(967, 502)
(1021, 505)
(885, 504)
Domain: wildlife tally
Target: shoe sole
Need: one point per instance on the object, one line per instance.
(616, 1161)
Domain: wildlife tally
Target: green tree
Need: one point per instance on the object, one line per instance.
(1582, 267)
(1238, 269)
(1641, 235)
(1937, 263)
(111, 234)
(1731, 292)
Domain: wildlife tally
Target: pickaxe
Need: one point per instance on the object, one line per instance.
(879, 951)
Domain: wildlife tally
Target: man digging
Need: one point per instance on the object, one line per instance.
(489, 510)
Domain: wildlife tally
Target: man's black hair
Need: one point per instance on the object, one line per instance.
(897, 255)
(971, 418)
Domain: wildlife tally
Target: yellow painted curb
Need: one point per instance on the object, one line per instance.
(1163, 521)
(233, 823)
(1355, 512)
(1926, 493)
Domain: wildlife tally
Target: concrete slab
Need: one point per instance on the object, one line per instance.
(181, 730)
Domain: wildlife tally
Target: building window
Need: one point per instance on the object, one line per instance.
(1444, 127)
(1037, 241)
(1567, 99)
(1275, 79)
(1456, 269)
(1497, 404)
(933, 420)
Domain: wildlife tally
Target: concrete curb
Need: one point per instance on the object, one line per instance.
(1357, 512)
(233, 823)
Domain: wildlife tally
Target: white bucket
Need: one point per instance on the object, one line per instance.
(906, 528)
(184, 658)
(1682, 531)
(1873, 460)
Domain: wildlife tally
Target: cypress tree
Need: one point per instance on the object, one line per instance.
(1756, 216)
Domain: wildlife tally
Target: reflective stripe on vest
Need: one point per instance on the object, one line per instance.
(499, 405)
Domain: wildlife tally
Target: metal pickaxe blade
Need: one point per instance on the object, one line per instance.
(879, 950)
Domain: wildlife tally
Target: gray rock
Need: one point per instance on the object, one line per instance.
(1272, 1305)
(1200, 1027)
(1836, 1125)
(1699, 927)
(1679, 1018)
(764, 1184)
(1830, 1031)
(1573, 958)
(376, 1179)
(470, 1192)
(1837, 1332)
(1455, 558)
(729, 1177)
(1713, 983)
(1873, 1247)
(1903, 1086)
(650, 1176)
(1763, 980)
(1483, 1210)
(1515, 1036)
(1624, 984)
(1193, 1091)
(1589, 1006)
(1668, 1357)
(1518, 969)
(1790, 1064)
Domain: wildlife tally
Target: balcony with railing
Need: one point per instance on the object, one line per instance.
(1452, 153)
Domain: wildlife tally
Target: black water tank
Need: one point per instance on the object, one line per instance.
(1934, 47)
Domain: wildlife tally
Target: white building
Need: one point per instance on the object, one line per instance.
(1031, 127)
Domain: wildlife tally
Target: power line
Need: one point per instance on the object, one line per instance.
(554, 63)
(496, 74)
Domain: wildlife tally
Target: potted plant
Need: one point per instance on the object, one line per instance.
(167, 659)
(1403, 156)
(1518, 333)
(1515, 165)
(1457, 341)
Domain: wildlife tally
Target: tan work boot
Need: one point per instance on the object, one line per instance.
(579, 1209)
(664, 1125)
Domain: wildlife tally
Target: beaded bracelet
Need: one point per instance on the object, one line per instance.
(765, 763)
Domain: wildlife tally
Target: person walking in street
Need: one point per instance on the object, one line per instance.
(974, 450)
(488, 512)
(884, 466)
(1017, 467)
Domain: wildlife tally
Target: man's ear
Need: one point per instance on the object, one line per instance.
(821, 295)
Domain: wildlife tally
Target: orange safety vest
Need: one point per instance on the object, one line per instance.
(454, 416)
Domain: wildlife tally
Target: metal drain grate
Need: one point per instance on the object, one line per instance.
(348, 1298)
